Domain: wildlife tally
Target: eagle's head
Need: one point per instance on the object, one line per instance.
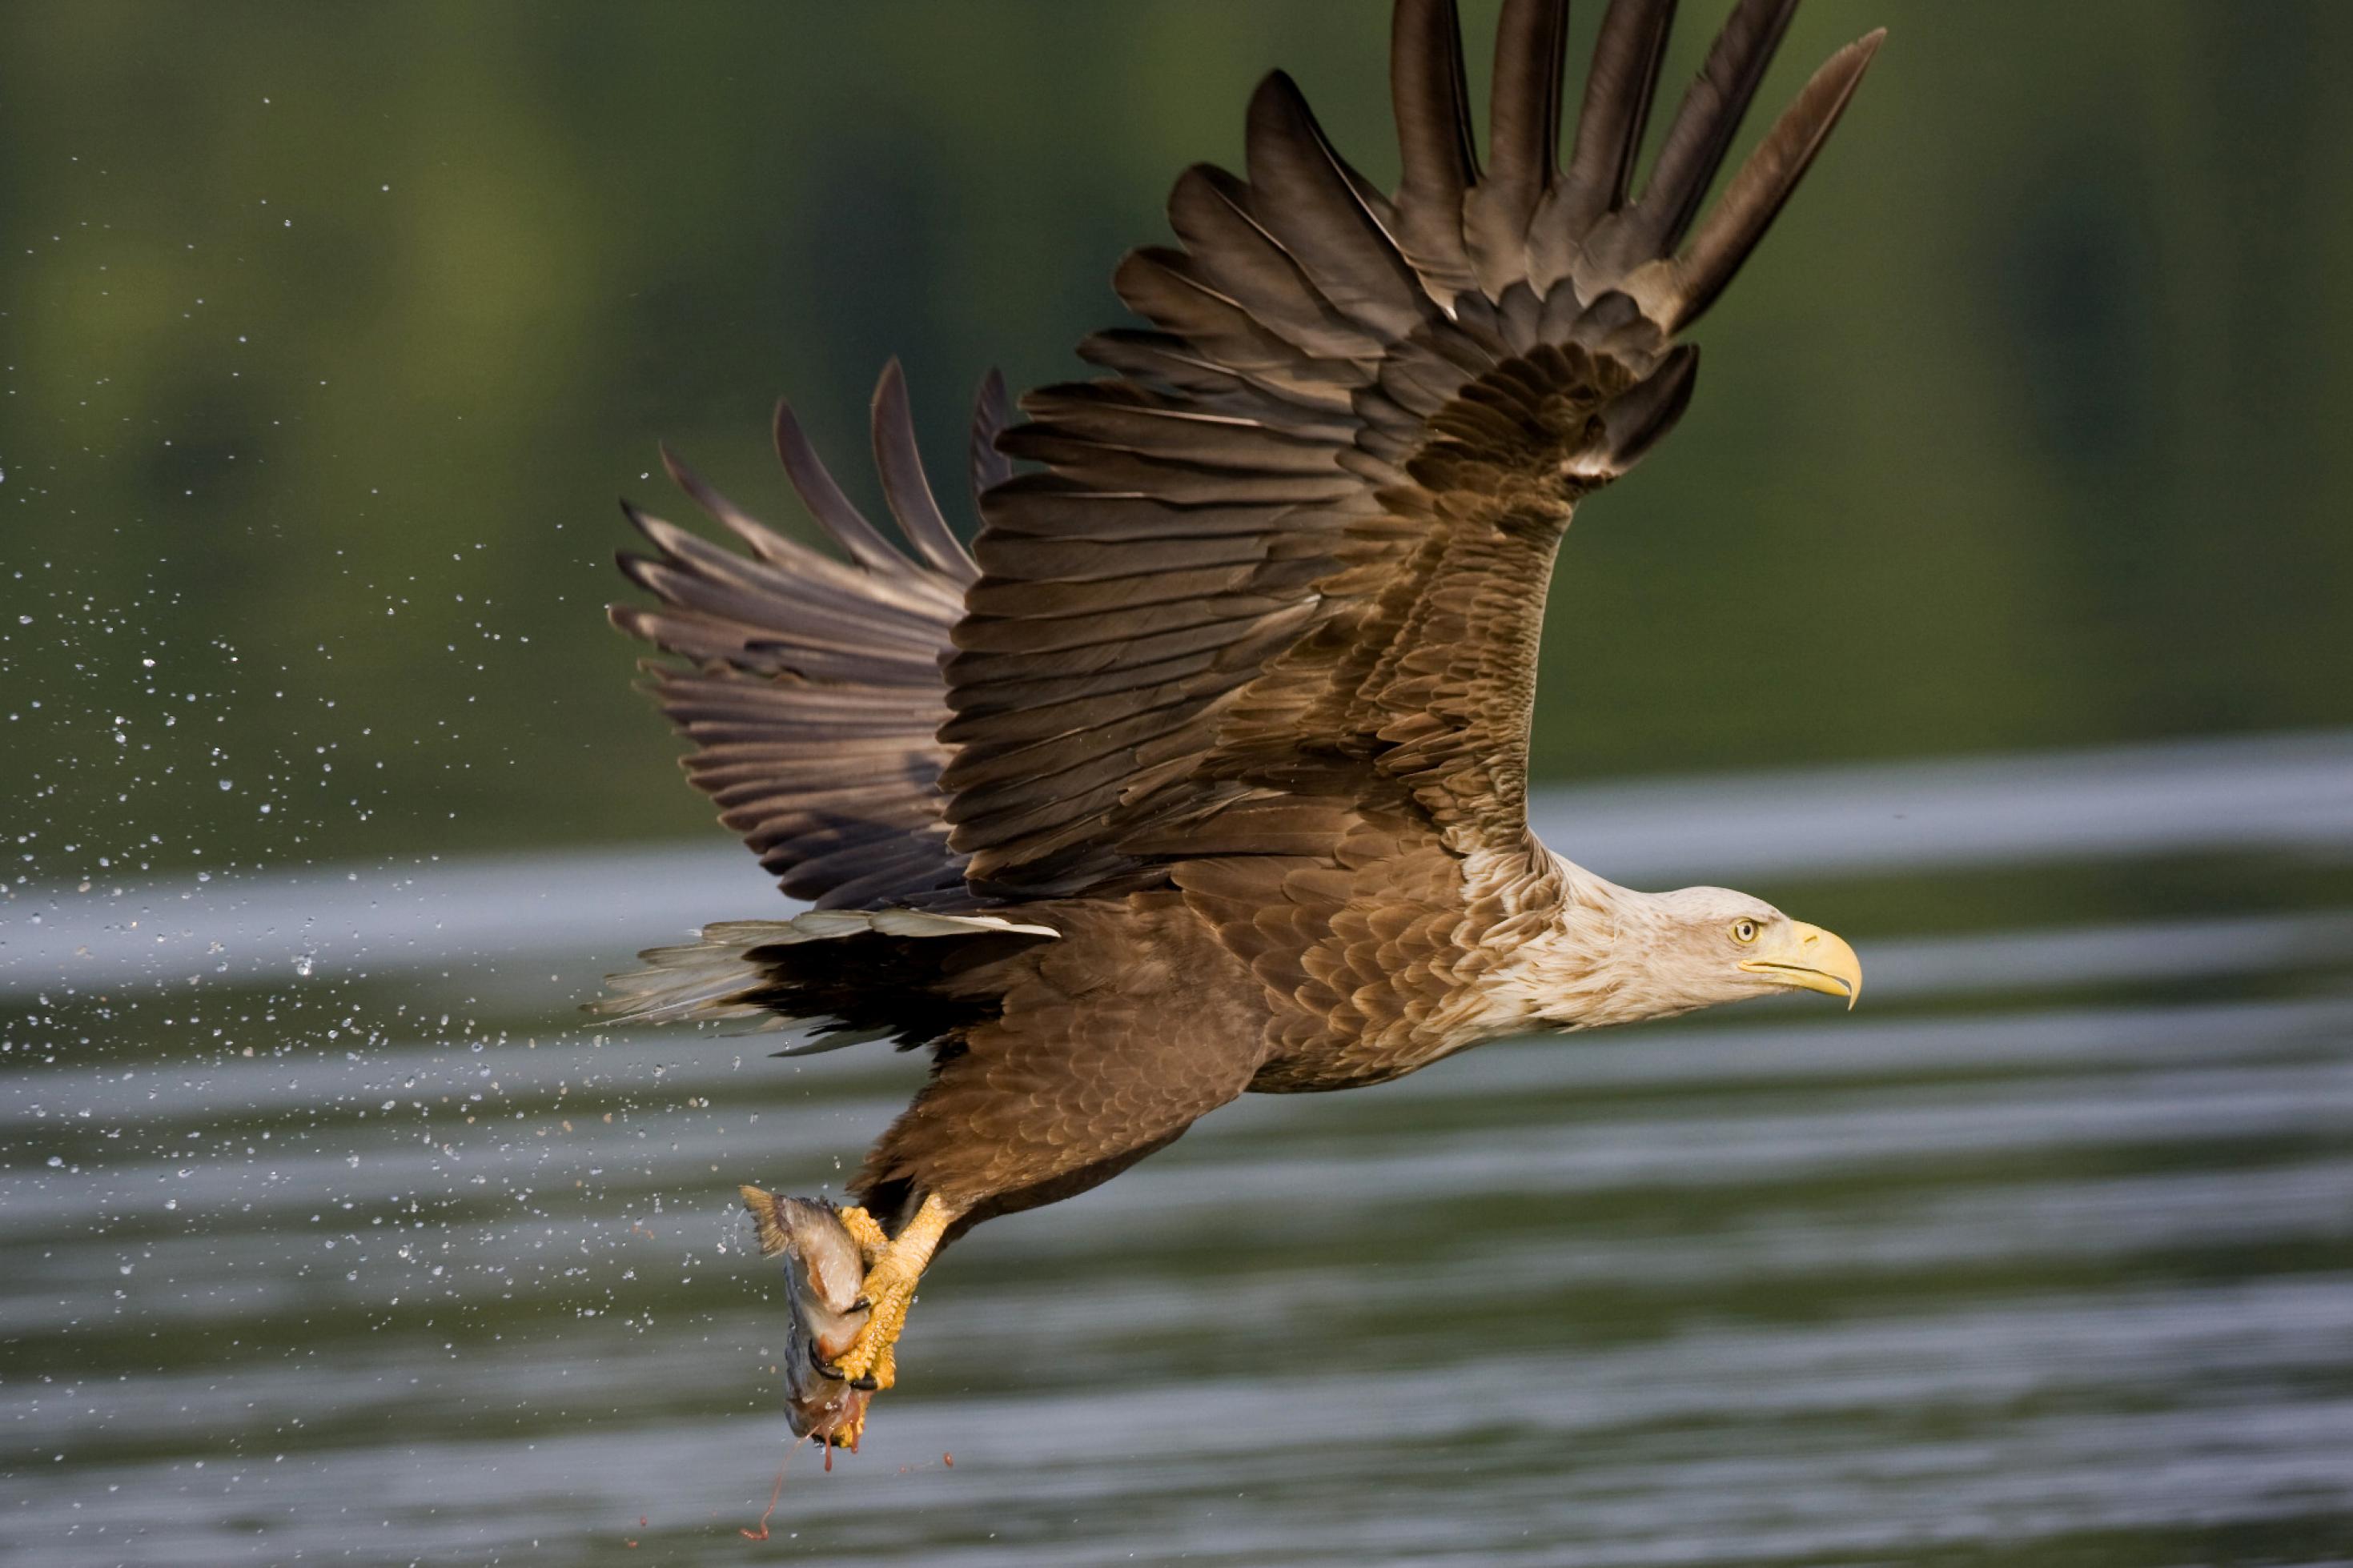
(1700, 946)
(1608, 954)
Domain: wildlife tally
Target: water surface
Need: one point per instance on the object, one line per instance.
(2043, 1255)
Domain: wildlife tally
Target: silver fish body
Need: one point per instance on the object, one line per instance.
(825, 1276)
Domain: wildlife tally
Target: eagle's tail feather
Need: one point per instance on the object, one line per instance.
(745, 969)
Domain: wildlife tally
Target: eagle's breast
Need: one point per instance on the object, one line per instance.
(1380, 969)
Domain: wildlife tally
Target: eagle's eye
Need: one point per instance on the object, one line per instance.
(1744, 931)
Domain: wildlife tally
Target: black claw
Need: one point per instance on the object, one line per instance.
(864, 1384)
(861, 1305)
(824, 1367)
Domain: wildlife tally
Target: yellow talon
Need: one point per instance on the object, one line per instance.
(890, 1286)
(872, 1242)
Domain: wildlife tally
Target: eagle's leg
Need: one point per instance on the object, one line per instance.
(890, 1287)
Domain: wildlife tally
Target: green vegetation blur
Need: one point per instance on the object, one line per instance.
(330, 332)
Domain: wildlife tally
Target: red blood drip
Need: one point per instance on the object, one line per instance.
(774, 1493)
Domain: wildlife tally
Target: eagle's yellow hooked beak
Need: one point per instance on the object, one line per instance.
(1809, 958)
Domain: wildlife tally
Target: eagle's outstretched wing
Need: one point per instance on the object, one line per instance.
(814, 696)
(1289, 560)
(1291, 557)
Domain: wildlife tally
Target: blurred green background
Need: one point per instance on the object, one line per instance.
(331, 331)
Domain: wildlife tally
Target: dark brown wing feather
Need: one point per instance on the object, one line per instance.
(1290, 557)
(812, 692)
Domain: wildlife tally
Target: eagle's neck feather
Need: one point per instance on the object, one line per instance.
(1561, 948)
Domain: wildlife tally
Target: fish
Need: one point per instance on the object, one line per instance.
(825, 1275)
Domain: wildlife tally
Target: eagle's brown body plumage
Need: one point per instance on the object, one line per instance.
(1205, 770)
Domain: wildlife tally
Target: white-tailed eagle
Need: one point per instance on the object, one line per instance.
(1205, 770)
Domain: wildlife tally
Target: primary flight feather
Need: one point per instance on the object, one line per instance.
(1205, 769)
